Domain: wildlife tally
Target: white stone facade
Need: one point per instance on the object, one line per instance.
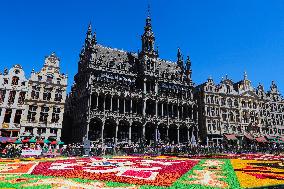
(239, 109)
(45, 100)
(13, 90)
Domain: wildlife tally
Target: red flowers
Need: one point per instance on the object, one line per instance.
(160, 172)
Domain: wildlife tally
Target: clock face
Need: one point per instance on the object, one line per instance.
(52, 60)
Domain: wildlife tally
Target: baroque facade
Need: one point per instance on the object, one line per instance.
(238, 111)
(129, 97)
(13, 90)
(44, 101)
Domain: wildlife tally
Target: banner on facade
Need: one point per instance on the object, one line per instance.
(31, 152)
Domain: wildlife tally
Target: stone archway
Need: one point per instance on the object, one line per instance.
(123, 131)
(101, 101)
(193, 135)
(95, 129)
(173, 134)
(150, 132)
(108, 102)
(136, 131)
(163, 133)
(183, 134)
(109, 130)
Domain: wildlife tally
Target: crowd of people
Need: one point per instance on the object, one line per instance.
(99, 149)
(11, 150)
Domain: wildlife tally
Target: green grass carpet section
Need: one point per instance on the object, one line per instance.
(227, 171)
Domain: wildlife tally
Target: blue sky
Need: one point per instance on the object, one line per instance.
(221, 36)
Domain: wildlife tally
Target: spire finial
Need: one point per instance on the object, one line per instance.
(179, 53)
(245, 75)
(88, 36)
(188, 63)
(94, 38)
(89, 27)
(179, 59)
(148, 10)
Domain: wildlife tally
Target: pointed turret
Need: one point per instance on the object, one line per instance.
(94, 39)
(245, 76)
(210, 79)
(148, 39)
(179, 59)
(188, 63)
(188, 69)
(273, 88)
(88, 39)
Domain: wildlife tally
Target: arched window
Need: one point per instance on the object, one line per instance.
(231, 116)
(223, 101)
(236, 103)
(230, 103)
(15, 80)
(49, 78)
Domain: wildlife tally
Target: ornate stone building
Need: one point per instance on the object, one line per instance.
(45, 100)
(121, 96)
(238, 111)
(13, 89)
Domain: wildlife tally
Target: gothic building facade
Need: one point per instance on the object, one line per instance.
(127, 97)
(237, 111)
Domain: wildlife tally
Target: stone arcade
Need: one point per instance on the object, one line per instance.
(129, 97)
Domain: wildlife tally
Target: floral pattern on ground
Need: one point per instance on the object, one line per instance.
(256, 173)
(209, 173)
(158, 172)
(42, 182)
(17, 168)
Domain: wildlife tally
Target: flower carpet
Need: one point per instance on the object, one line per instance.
(131, 172)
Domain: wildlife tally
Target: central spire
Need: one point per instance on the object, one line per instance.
(148, 38)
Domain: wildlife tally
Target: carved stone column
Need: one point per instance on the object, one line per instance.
(196, 116)
(191, 112)
(172, 110)
(124, 99)
(118, 104)
(167, 131)
(143, 130)
(162, 109)
(145, 87)
(111, 103)
(177, 111)
(116, 132)
(129, 134)
(178, 135)
(102, 131)
(89, 115)
(12, 118)
(131, 106)
(97, 102)
(156, 133)
(156, 88)
(188, 134)
(156, 108)
(144, 107)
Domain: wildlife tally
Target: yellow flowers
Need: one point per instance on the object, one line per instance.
(255, 173)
